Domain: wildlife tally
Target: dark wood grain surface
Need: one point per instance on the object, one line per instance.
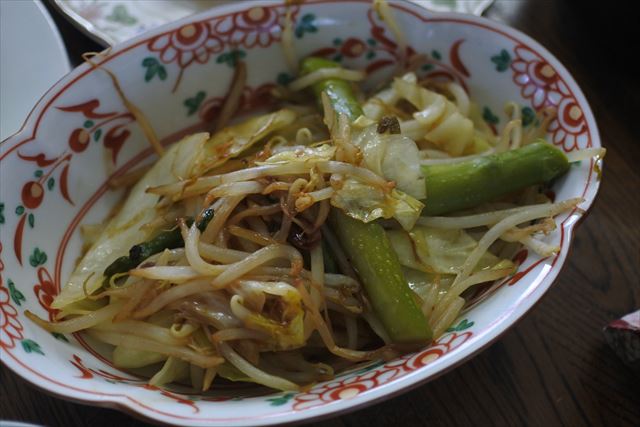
(553, 367)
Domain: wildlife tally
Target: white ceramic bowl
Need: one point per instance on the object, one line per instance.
(53, 175)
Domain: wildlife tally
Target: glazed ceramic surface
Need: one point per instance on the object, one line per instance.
(54, 178)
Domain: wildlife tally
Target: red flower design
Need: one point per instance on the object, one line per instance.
(46, 290)
(352, 48)
(197, 41)
(540, 83)
(193, 42)
(10, 327)
(536, 77)
(443, 346)
(352, 386)
(569, 128)
(258, 26)
(344, 389)
(32, 194)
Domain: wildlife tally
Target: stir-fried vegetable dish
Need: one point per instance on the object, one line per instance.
(341, 226)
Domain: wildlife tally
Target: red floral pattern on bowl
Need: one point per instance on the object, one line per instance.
(350, 386)
(193, 42)
(540, 83)
(10, 326)
(257, 26)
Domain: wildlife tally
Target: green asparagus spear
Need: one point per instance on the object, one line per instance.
(165, 240)
(466, 184)
(366, 245)
(339, 91)
(369, 251)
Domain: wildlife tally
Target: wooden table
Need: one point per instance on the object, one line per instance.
(553, 367)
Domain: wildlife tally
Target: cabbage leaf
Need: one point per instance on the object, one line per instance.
(443, 124)
(395, 157)
(367, 203)
(435, 250)
(283, 322)
(234, 140)
(302, 154)
(124, 229)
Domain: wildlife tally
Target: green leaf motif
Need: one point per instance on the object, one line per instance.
(231, 58)
(337, 41)
(193, 103)
(281, 400)
(427, 67)
(30, 346)
(154, 68)
(464, 324)
(50, 183)
(284, 79)
(2, 213)
(502, 60)
(489, 117)
(371, 54)
(528, 116)
(16, 295)
(37, 258)
(372, 42)
(97, 134)
(337, 58)
(162, 72)
(38, 173)
(59, 336)
(148, 75)
(32, 220)
(436, 54)
(88, 124)
(306, 25)
(19, 210)
(121, 15)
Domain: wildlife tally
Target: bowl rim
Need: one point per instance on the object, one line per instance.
(481, 340)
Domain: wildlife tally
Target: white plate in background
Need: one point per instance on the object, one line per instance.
(32, 59)
(114, 21)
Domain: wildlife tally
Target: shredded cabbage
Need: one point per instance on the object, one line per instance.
(440, 119)
(378, 105)
(174, 369)
(231, 373)
(396, 157)
(130, 358)
(367, 203)
(436, 250)
(125, 229)
(423, 283)
(284, 323)
(232, 141)
(302, 154)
